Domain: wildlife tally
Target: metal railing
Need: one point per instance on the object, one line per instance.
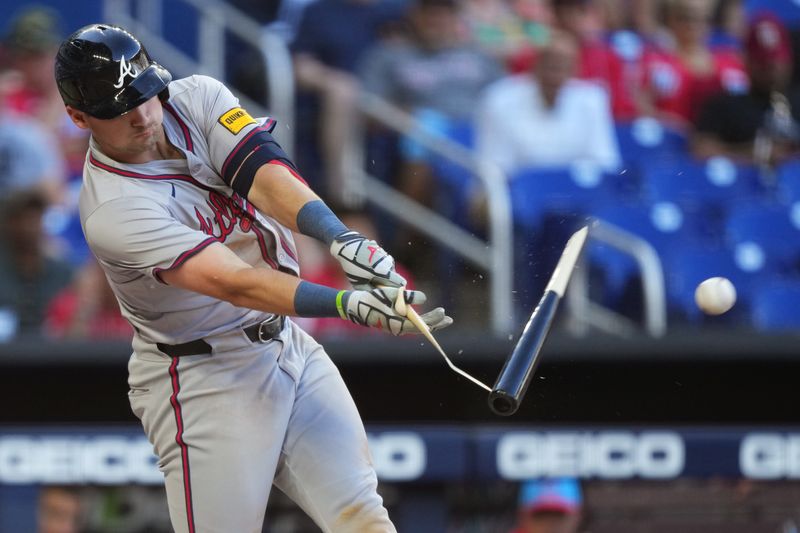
(215, 18)
(495, 257)
(584, 313)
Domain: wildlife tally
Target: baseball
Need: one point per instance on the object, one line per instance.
(715, 296)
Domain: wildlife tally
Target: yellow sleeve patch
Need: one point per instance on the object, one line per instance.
(236, 119)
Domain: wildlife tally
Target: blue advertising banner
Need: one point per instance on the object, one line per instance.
(122, 455)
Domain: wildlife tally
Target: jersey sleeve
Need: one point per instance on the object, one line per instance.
(238, 144)
(140, 235)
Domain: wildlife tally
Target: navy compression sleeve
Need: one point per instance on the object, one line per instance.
(316, 219)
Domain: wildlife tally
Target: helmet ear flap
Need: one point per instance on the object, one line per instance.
(163, 96)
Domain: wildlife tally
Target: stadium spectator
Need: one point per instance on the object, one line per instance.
(637, 16)
(505, 29)
(87, 309)
(29, 155)
(325, 60)
(583, 20)
(59, 510)
(547, 118)
(729, 24)
(549, 506)
(761, 125)
(29, 277)
(687, 72)
(435, 75)
(30, 46)
(597, 61)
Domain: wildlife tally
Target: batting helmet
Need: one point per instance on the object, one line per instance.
(105, 71)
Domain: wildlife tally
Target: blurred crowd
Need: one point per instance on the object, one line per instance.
(49, 284)
(547, 505)
(675, 120)
(529, 85)
(542, 82)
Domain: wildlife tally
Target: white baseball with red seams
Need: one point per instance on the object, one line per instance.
(715, 296)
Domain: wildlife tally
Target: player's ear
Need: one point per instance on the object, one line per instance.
(78, 117)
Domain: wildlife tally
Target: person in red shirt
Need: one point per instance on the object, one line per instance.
(549, 506)
(686, 72)
(87, 309)
(761, 126)
(28, 51)
(597, 61)
(29, 48)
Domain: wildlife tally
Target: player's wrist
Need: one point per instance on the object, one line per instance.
(316, 220)
(341, 303)
(318, 301)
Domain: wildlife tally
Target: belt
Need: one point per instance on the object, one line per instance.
(261, 332)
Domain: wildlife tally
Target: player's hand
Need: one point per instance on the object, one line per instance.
(365, 264)
(375, 309)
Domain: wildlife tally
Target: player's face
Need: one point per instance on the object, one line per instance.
(435, 26)
(556, 65)
(689, 21)
(130, 138)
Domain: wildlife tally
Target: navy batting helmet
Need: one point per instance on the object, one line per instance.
(105, 71)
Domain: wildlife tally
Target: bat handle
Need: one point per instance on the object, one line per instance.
(400, 303)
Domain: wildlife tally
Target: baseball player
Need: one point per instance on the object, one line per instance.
(189, 205)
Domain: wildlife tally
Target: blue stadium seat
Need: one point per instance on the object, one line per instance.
(645, 139)
(704, 190)
(573, 191)
(764, 237)
(641, 142)
(786, 10)
(661, 225)
(547, 205)
(775, 305)
(448, 172)
(454, 183)
(788, 178)
(685, 266)
(692, 183)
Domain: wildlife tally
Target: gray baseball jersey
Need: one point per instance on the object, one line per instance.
(145, 218)
(224, 424)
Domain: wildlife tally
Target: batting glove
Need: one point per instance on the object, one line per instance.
(375, 309)
(364, 262)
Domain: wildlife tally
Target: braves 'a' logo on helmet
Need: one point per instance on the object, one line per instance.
(125, 69)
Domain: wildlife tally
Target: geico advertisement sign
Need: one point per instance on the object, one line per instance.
(106, 460)
(110, 460)
(404, 456)
(612, 455)
(398, 456)
(770, 456)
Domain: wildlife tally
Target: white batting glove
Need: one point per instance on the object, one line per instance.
(364, 262)
(375, 309)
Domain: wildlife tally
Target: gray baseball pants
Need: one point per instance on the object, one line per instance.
(227, 425)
